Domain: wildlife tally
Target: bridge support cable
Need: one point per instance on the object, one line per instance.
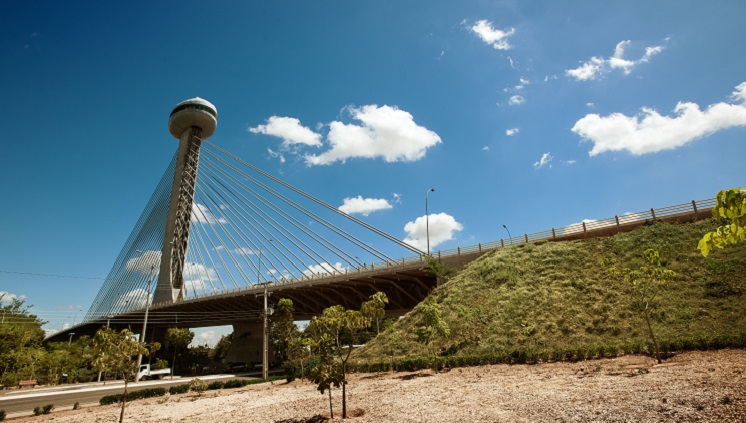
(350, 260)
(316, 200)
(307, 212)
(240, 221)
(123, 288)
(279, 228)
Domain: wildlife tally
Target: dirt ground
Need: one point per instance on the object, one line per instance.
(692, 386)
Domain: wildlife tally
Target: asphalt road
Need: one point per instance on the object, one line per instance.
(20, 402)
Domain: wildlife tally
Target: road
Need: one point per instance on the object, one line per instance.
(21, 402)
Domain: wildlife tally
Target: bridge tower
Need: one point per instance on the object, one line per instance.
(191, 121)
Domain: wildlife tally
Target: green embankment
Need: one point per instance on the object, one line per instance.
(554, 300)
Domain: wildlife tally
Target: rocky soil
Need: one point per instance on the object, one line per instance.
(692, 386)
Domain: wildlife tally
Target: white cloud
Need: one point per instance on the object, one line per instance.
(202, 214)
(596, 66)
(495, 37)
(209, 336)
(323, 269)
(143, 262)
(386, 132)
(290, 130)
(131, 300)
(486, 148)
(512, 131)
(570, 162)
(590, 105)
(276, 155)
(516, 99)
(442, 228)
(197, 276)
(364, 206)
(546, 158)
(397, 197)
(650, 132)
(7, 297)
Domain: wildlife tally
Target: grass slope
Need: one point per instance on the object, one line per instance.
(555, 296)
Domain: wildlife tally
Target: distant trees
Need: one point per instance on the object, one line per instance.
(282, 328)
(21, 352)
(375, 308)
(178, 338)
(731, 205)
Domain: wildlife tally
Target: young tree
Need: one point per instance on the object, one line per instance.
(430, 328)
(375, 308)
(337, 322)
(647, 282)
(283, 327)
(731, 205)
(119, 350)
(179, 338)
(327, 373)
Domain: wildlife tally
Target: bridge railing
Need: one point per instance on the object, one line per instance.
(699, 208)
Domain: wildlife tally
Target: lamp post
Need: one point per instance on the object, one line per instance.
(71, 338)
(145, 320)
(510, 237)
(265, 332)
(427, 219)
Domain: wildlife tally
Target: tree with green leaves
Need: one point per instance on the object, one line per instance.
(299, 349)
(21, 338)
(178, 338)
(283, 327)
(375, 308)
(647, 282)
(430, 328)
(731, 205)
(220, 351)
(339, 323)
(119, 351)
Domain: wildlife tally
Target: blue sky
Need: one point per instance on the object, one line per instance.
(533, 114)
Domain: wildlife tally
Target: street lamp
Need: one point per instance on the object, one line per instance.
(427, 219)
(145, 320)
(510, 237)
(265, 334)
(71, 338)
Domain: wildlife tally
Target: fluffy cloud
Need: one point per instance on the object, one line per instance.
(495, 37)
(516, 99)
(650, 132)
(512, 131)
(131, 300)
(442, 228)
(545, 159)
(290, 130)
(7, 297)
(323, 269)
(596, 66)
(143, 262)
(364, 206)
(386, 132)
(197, 276)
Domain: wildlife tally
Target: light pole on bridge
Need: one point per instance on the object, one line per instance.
(427, 219)
(510, 237)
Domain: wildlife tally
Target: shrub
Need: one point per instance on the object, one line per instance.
(2, 415)
(179, 389)
(135, 395)
(47, 408)
(76, 406)
(291, 371)
(37, 411)
(198, 385)
(218, 384)
(235, 383)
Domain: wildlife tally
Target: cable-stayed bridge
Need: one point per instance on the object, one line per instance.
(217, 231)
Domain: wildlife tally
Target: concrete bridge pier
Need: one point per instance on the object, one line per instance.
(246, 345)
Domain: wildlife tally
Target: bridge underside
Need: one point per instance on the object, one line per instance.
(405, 288)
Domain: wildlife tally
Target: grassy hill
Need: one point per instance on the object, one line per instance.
(555, 300)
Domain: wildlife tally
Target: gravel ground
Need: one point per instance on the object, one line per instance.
(692, 386)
